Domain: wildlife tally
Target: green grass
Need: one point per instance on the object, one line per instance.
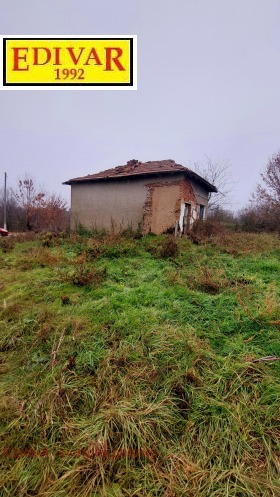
(128, 372)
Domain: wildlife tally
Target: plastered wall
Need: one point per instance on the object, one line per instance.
(162, 207)
(111, 204)
(164, 204)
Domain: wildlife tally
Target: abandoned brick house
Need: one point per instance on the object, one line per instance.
(151, 196)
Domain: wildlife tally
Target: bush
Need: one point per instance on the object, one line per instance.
(203, 230)
(130, 233)
(7, 244)
(169, 249)
(259, 218)
(162, 246)
(82, 273)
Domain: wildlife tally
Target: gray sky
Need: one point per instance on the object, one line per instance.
(208, 84)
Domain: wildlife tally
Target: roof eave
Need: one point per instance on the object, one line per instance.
(199, 179)
(188, 173)
(85, 179)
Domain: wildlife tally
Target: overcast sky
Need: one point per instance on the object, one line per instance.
(208, 84)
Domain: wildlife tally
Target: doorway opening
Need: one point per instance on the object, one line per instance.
(187, 218)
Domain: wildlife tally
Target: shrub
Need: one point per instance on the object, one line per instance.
(7, 244)
(169, 248)
(130, 233)
(47, 239)
(82, 273)
(259, 218)
(162, 247)
(203, 230)
(83, 231)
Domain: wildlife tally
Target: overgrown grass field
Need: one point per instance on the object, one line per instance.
(130, 367)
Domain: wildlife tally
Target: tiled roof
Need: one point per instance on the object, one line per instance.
(137, 168)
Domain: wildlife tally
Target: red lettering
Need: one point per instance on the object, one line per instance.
(36, 56)
(17, 58)
(72, 55)
(110, 58)
(57, 56)
(93, 56)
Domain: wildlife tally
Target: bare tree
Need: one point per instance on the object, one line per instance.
(219, 175)
(29, 198)
(43, 211)
(269, 192)
(266, 199)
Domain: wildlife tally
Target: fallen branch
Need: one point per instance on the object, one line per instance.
(267, 358)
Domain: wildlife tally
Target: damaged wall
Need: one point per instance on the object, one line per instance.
(201, 194)
(162, 206)
(166, 204)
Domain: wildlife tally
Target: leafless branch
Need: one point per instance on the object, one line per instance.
(218, 174)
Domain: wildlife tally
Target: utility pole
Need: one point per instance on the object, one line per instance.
(5, 201)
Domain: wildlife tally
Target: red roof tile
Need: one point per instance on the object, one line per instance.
(137, 168)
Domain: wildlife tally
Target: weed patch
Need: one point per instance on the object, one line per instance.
(81, 273)
(162, 247)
